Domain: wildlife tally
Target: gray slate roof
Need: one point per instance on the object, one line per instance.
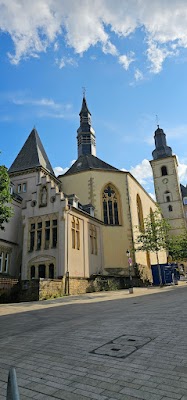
(31, 155)
(87, 162)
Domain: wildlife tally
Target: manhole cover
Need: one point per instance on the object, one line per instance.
(122, 346)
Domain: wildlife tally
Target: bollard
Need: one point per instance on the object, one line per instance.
(12, 386)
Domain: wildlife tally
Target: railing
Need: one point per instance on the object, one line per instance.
(12, 386)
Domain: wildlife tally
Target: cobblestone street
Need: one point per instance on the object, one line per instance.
(103, 346)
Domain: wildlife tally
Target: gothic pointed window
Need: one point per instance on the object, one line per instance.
(140, 213)
(110, 200)
(164, 170)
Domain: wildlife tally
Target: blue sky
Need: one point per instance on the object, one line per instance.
(130, 57)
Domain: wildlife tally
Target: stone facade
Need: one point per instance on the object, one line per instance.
(77, 225)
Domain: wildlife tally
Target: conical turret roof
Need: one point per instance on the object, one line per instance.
(32, 155)
(84, 108)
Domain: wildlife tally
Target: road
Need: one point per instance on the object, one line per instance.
(103, 346)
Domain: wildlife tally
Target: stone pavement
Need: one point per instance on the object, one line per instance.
(102, 346)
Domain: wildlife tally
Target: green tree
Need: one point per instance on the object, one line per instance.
(154, 236)
(177, 246)
(5, 197)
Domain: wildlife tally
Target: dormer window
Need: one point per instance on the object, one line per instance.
(164, 170)
(185, 200)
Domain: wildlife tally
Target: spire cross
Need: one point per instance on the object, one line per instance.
(157, 121)
(83, 91)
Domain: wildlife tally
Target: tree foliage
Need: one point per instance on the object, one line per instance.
(177, 246)
(154, 235)
(5, 197)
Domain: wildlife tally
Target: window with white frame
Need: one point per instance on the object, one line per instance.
(24, 187)
(4, 261)
(19, 188)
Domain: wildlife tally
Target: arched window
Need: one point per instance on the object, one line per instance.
(164, 170)
(32, 272)
(110, 199)
(140, 213)
(170, 208)
(51, 271)
(41, 271)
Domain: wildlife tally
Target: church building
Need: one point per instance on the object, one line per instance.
(83, 222)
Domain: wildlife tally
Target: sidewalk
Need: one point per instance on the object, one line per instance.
(13, 308)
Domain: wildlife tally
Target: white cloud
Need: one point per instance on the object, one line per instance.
(41, 107)
(109, 48)
(126, 59)
(152, 195)
(62, 62)
(142, 172)
(34, 26)
(156, 55)
(182, 171)
(138, 75)
(61, 171)
(20, 101)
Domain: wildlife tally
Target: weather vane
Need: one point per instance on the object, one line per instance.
(157, 120)
(83, 91)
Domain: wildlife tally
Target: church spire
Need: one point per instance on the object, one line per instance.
(85, 133)
(161, 148)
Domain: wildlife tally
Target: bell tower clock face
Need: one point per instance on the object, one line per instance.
(165, 180)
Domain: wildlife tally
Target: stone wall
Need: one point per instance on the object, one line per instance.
(50, 289)
(13, 291)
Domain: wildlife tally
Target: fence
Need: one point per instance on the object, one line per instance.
(12, 386)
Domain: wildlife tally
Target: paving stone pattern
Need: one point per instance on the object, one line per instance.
(54, 349)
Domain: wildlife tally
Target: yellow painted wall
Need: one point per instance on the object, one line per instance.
(147, 204)
(89, 186)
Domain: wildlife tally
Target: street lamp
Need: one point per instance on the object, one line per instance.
(128, 254)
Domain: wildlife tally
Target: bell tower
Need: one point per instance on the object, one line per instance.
(85, 133)
(167, 188)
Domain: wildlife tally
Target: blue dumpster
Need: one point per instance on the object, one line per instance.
(166, 271)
